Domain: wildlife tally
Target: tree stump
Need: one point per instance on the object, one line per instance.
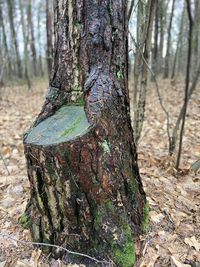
(86, 192)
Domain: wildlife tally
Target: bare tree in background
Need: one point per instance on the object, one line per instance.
(187, 81)
(39, 38)
(32, 36)
(4, 40)
(167, 57)
(142, 59)
(11, 6)
(49, 47)
(26, 41)
(177, 53)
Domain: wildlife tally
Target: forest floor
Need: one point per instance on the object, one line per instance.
(173, 238)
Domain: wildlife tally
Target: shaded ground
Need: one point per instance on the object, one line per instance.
(174, 198)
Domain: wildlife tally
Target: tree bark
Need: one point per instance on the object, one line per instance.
(86, 192)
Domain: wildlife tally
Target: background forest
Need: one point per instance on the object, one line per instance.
(164, 69)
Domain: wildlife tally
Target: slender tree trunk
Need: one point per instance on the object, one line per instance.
(178, 45)
(5, 43)
(155, 44)
(49, 48)
(187, 81)
(14, 36)
(86, 191)
(39, 39)
(195, 37)
(167, 57)
(130, 9)
(162, 15)
(172, 144)
(140, 110)
(26, 40)
(138, 54)
(32, 37)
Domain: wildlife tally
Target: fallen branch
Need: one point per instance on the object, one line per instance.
(8, 236)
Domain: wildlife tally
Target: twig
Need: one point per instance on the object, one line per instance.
(4, 235)
(6, 167)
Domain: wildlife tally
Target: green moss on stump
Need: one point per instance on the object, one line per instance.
(145, 220)
(72, 127)
(67, 123)
(125, 256)
(120, 239)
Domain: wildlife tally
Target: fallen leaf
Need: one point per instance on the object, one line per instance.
(178, 263)
(192, 242)
(3, 264)
(155, 217)
(35, 257)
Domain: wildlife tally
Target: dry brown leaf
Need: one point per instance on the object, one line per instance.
(192, 242)
(35, 255)
(155, 217)
(178, 263)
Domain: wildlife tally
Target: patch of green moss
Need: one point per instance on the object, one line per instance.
(24, 221)
(125, 256)
(145, 219)
(79, 101)
(71, 129)
(98, 220)
(105, 147)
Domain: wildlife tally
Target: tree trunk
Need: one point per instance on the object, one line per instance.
(187, 81)
(14, 37)
(162, 20)
(32, 37)
(167, 57)
(178, 45)
(39, 39)
(26, 40)
(138, 55)
(155, 45)
(4, 37)
(145, 52)
(49, 48)
(86, 191)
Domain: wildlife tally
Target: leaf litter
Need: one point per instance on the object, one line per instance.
(173, 238)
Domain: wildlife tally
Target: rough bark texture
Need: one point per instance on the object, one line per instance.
(86, 191)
